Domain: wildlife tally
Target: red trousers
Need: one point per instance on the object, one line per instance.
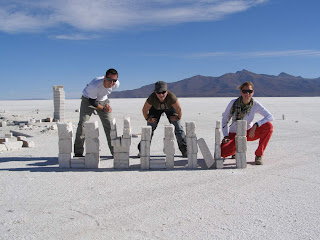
(263, 133)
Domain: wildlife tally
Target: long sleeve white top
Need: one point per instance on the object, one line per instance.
(256, 108)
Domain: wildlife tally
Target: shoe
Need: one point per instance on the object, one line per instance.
(258, 160)
(185, 155)
(138, 155)
(78, 155)
(233, 157)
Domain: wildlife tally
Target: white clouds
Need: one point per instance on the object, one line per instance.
(99, 15)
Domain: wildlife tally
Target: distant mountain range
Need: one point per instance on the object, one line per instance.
(283, 85)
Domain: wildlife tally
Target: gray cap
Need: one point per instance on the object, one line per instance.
(160, 86)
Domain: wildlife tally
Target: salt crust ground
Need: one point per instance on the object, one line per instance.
(279, 200)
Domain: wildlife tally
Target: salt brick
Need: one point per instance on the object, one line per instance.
(116, 142)
(218, 164)
(113, 134)
(92, 160)
(190, 129)
(207, 156)
(217, 151)
(121, 156)
(145, 148)
(113, 124)
(77, 165)
(64, 160)
(122, 165)
(2, 140)
(126, 133)
(125, 142)
(91, 129)
(13, 145)
(169, 131)
(241, 128)
(145, 162)
(217, 136)
(65, 145)
(169, 161)
(28, 144)
(3, 148)
(121, 149)
(146, 133)
(77, 161)
(168, 146)
(192, 146)
(92, 145)
(241, 144)
(218, 124)
(126, 122)
(65, 130)
(192, 160)
(241, 159)
(157, 163)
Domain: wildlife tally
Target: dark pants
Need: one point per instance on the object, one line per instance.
(179, 132)
(86, 111)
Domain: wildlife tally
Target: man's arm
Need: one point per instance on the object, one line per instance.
(177, 107)
(145, 110)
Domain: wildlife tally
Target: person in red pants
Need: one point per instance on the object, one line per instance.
(245, 108)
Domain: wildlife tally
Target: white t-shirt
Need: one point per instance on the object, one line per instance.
(96, 90)
(256, 108)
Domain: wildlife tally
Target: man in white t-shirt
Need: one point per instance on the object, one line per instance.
(95, 97)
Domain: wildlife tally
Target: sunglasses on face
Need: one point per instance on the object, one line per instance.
(161, 92)
(247, 91)
(111, 80)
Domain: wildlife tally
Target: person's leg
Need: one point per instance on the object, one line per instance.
(179, 132)
(157, 115)
(263, 133)
(106, 118)
(85, 113)
(229, 148)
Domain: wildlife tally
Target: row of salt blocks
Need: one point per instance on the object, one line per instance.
(121, 145)
(241, 144)
(192, 145)
(58, 103)
(92, 144)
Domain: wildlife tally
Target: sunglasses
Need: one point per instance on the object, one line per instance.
(161, 92)
(111, 80)
(247, 91)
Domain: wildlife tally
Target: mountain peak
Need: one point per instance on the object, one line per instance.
(283, 74)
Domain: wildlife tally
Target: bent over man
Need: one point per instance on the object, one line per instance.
(164, 101)
(95, 97)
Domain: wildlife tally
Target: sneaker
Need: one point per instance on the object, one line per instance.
(78, 155)
(258, 160)
(233, 157)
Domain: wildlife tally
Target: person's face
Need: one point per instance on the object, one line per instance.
(247, 93)
(162, 95)
(110, 80)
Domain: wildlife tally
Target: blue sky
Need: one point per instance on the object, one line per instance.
(69, 42)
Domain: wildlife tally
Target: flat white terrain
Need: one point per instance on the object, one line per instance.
(278, 200)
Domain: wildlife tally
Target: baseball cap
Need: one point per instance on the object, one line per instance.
(160, 86)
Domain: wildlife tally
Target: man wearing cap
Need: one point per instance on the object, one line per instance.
(95, 97)
(164, 101)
